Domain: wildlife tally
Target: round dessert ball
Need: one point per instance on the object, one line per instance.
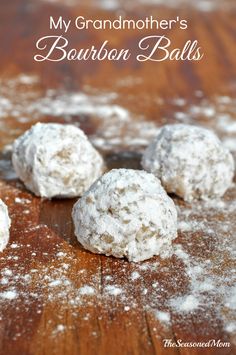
(56, 160)
(4, 225)
(126, 213)
(190, 161)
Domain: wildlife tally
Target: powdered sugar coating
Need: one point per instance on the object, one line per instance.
(55, 160)
(4, 225)
(190, 162)
(126, 213)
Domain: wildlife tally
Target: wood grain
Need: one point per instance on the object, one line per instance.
(99, 324)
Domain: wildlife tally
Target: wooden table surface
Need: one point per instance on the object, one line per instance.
(55, 297)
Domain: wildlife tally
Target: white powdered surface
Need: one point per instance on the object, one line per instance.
(56, 160)
(190, 161)
(196, 283)
(5, 224)
(126, 213)
(113, 290)
(109, 120)
(99, 109)
(163, 317)
(9, 295)
(86, 290)
(203, 265)
(185, 304)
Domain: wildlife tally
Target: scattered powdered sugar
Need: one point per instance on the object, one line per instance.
(79, 104)
(113, 290)
(38, 272)
(21, 201)
(4, 281)
(60, 328)
(196, 278)
(209, 283)
(231, 298)
(6, 272)
(163, 317)
(185, 304)
(9, 295)
(100, 110)
(86, 290)
(55, 283)
(60, 254)
(230, 328)
(135, 275)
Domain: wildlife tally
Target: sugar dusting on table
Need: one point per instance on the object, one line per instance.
(100, 110)
(198, 280)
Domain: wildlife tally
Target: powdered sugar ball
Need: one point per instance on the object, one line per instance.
(126, 213)
(190, 162)
(4, 225)
(55, 160)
